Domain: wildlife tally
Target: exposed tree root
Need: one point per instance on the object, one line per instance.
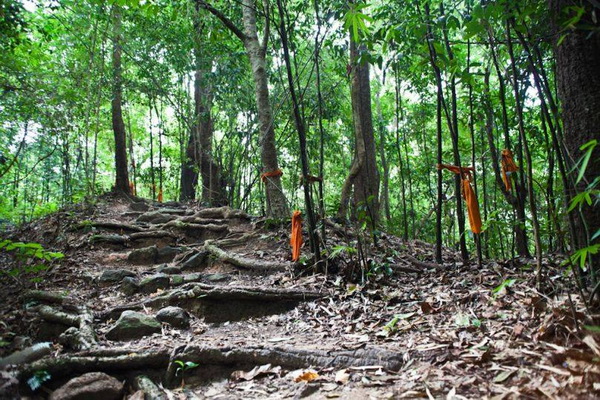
(422, 264)
(159, 234)
(27, 355)
(205, 291)
(221, 213)
(403, 268)
(287, 357)
(244, 262)
(117, 226)
(234, 241)
(46, 297)
(74, 365)
(81, 334)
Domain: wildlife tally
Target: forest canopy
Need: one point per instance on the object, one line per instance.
(338, 108)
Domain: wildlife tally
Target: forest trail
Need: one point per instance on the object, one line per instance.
(171, 291)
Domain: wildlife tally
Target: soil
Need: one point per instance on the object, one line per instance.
(377, 320)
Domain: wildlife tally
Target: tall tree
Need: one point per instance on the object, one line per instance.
(577, 64)
(364, 176)
(199, 160)
(122, 175)
(257, 51)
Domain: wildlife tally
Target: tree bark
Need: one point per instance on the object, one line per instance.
(122, 176)
(276, 200)
(577, 66)
(365, 178)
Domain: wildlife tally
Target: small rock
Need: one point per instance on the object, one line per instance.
(174, 316)
(133, 325)
(115, 275)
(139, 206)
(167, 253)
(129, 286)
(91, 386)
(146, 255)
(154, 282)
(166, 269)
(195, 261)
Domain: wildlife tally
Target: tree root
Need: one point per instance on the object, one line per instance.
(287, 357)
(422, 264)
(74, 365)
(80, 335)
(224, 212)
(118, 226)
(244, 262)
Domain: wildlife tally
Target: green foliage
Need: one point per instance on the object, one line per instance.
(183, 367)
(502, 286)
(355, 20)
(28, 257)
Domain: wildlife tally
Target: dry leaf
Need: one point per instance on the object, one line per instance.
(307, 376)
(426, 308)
(256, 371)
(589, 340)
(342, 376)
(502, 376)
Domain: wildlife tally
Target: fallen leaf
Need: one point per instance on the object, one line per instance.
(502, 376)
(256, 371)
(518, 330)
(307, 376)
(426, 308)
(342, 376)
(589, 340)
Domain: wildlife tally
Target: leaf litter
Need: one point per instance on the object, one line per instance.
(462, 331)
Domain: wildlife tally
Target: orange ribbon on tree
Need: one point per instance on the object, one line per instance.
(160, 196)
(468, 194)
(508, 167)
(132, 188)
(296, 238)
(271, 174)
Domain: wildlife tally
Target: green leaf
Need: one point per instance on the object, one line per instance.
(586, 158)
(592, 328)
(506, 283)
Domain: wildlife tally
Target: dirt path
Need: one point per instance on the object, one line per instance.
(221, 295)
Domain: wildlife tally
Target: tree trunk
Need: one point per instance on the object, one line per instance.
(300, 127)
(385, 190)
(364, 177)
(276, 202)
(122, 176)
(577, 66)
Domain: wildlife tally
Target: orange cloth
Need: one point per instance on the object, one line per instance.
(468, 194)
(508, 167)
(271, 174)
(296, 239)
(132, 188)
(160, 196)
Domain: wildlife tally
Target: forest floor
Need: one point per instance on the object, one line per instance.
(259, 328)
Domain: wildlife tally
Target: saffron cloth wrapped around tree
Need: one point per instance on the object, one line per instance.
(296, 238)
(468, 194)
